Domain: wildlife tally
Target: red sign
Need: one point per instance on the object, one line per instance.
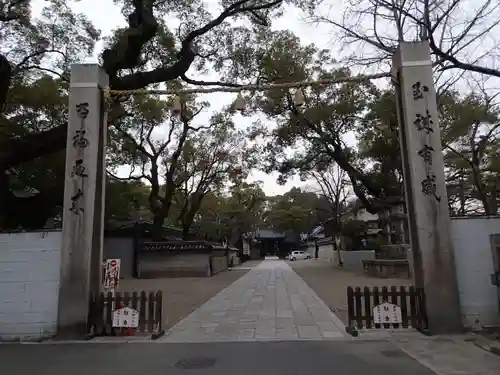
(112, 274)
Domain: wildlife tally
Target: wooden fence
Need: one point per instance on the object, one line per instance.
(149, 306)
(360, 304)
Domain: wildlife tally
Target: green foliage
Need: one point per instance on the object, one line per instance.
(32, 107)
(197, 169)
(354, 228)
(231, 214)
(210, 160)
(126, 201)
(296, 211)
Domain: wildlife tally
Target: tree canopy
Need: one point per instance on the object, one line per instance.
(192, 168)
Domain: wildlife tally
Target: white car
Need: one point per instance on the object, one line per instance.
(299, 255)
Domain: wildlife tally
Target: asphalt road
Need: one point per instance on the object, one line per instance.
(246, 358)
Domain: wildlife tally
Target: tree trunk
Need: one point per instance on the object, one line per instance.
(494, 199)
(188, 216)
(186, 226)
(5, 196)
(16, 151)
(157, 232)
(5, 78)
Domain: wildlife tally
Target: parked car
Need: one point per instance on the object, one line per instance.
(299, 255)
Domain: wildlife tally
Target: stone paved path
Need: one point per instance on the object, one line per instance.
(270, 302)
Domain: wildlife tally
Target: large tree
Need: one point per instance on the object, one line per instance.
(462, 34)
(151, 143)
(470, 140)
(29, 48)
(296, 211)
(210, 160)
(334, 192)
(145, 53)
(316, 129)
(32, 192)
(126, 201)
(230, 214)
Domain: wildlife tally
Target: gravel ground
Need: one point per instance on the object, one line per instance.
(330, 282)
(183, 295)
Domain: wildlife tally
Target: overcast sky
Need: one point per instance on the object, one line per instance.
(106, 16)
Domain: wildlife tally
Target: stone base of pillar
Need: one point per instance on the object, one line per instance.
(393, 251)
(77, 331)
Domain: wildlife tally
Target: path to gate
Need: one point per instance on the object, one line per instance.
(270, 302)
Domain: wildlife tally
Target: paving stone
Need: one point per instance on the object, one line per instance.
(332, 334)
(327, 327)
(265, 336)
(287, 332)
(285, 322)
(226, 330)
(270, 302)
(248, 319)
(284, 314)
(247, 325)
(308, 332)
(264, 331)
(245, 334)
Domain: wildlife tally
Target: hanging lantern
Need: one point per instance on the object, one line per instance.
(299, 98)
(177, 107)
(239, 103)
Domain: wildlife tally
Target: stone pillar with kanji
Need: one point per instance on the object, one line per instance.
(84, 187)
(429, 222)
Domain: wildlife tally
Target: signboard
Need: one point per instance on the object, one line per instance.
(246, 248)
(387, 313)
(126, 318)
(112, 274)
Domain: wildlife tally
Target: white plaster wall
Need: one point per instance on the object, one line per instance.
(474, 265)
(29, 284)
(325, 251)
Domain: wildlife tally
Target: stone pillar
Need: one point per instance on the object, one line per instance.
(84, 188)
(420, 140)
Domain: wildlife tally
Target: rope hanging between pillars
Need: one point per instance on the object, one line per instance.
(239, 103)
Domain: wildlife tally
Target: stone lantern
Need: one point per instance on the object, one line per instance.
(394, 217)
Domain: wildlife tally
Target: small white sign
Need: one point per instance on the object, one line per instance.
(387, 313)
(112, 274)
(126, 317)
(246, 248)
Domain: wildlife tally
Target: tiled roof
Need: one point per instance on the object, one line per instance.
(268, 233)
